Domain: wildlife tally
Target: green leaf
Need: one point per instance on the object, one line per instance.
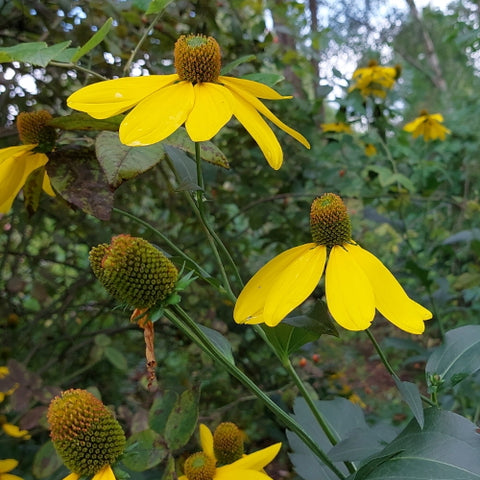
(46, 461)
(160, 411)
(411, 395)
(116, 358)
(121, 162)
(77, 177)
(220, 342)
(269, 79)
(94, 41)
(169, 473)
(185, 169)
(287, 338)
(446, 448)
(182, 420)
(230, 66)
(372, 465)
(386, 177)
(458, 357)
(208, 151)
(156, 6)
(83, 121)
(144, 450)
(36, 53)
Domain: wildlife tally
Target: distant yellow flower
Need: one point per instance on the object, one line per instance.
(339, 127)
(14, 431)
(356, 282)
(370, 149)
(6, 466)
(197, 96)
(17, 163)
(202, 465)
(428, 125)
(374, 79)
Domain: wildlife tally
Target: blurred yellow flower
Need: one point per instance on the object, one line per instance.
(14, 431)
(374, 79)
(339, 127)
(4, 372)
(370, 149)
(6, 466)
(428, 125)
(197, 96)
(356, 282)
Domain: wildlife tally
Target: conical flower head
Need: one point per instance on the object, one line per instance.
(84, 432)
(227, 443)
(133, 271)
(33, 128)
(199, 466)
(197, 58)
(329, 221)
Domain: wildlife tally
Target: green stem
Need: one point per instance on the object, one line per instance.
(389, 367)
(194, 333)
(77, 67)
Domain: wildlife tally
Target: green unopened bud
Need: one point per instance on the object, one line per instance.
(84, 432)
(199, 466)
(228, 443)
(133, 271)
(33, 128)
(329, 221)
(197, 58)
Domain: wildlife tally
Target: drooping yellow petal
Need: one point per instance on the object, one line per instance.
(47, 186)
(224, 473)
(252, 299)
(349, 295)
(72, 476)
(256, 460)
(259, 130)
(257, 89)
(260, 107)
(414, 124)
(212, 109)
(16, 164)
(7, 465)
(390, 298)
(111, 97)
(106, 473)
(294, 284)
(14, 431)
(158, 115)
(206, 440)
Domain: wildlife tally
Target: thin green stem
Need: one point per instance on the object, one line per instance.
(187, 325)
(77, 67)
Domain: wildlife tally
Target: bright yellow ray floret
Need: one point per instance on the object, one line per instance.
(6, 466)
(356, 282)
(196, 96)
(427, 125)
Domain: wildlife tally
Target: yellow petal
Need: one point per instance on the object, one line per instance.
(412, 126)
(260, 107)
(47, 186)
(14, 431)
(109, 98)
(259, 130)
(256, 460)
(212, 109)
(16, 164)
(9, 476)
(72, 476)
(206, 440)
(224, 473)
(158, 115)
(349, 295)
(7, 465)
(106, 473)
(257, 89)
(390, 298)
(436, 117)
(280, 285)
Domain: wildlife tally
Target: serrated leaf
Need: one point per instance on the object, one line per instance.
(160, 411)
(287, 338)
(36, 53)
(121, 162)
(144, 450)
(46, 461)
(94, 41)
(230, 66)
(446, 448)
(458, 357)
(116, 358)
(182, 420)
(156, 6)
(83, 121)
(220, 342)
(76, 176)
(411, 395)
